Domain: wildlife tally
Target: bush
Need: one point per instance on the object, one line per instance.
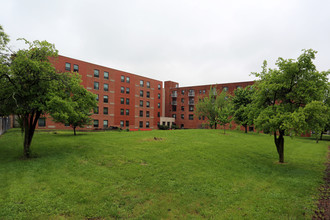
(163, 127)
(175, 127)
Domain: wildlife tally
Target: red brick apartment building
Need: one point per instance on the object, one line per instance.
(180, 102)
(134, 102)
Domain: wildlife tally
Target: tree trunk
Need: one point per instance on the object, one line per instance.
(245, 126)
(30, 123)
(279, 142)
(74, 130)
(224, 129)
(321, 135)
(215, 125)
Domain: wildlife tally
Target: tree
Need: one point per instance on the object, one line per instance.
(241, 101)
(207, 107)
(224, 110)
(28, 83)
(281, 95)
(317, 117)
(75, 109)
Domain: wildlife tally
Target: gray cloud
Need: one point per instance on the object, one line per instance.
(191, 42)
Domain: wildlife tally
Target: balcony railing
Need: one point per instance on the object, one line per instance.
(191, 94)
(174, 103)
(191, 102)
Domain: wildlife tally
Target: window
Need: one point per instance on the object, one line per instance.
(121, 100)
(127, 90)
(158, 95)
(191, 117)
(141, 113)
(75, 68)
(238, 87)
(127, 79)
(147, 114)
(42, 122)
(127, 123)
(105, 123)
(182, 116)
(96, 110)
(127, 111)
(158, 114)
(225, 88)
(141, 83)
(127, 101)
(141, 124)
(141, 103)
(122, 78)
(182, 108)
(148, 84)
(122, 89)
(121, 123)
(200, 91)
(121, 111)
(141, 93)
(96, 123)
(96, 85)
(182, 100)
(191, 108)
(147, 104)
(182, 92)
(96, 73)
(203, 117)
(97, 97)
(147, 124)
(174, 116)
(204, 91)
(106, 75)
(105, 110)
(148, 94)
(105, 99)
(158, 105)
(159, 86)
(106, 87)
(68, 66)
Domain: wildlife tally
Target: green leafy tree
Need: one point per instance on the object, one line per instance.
(241, 102)
(317, 116)
(76, 108)
(224, 110)
(283, 92)
(28, 83)
(207, 107)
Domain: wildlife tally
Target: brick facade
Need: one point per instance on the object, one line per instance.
(180, 102)
(135, 102)
(119, 94)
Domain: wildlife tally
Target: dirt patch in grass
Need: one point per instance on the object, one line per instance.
(153, 139)
(323, 206)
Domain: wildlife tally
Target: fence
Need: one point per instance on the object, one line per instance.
(4, 124)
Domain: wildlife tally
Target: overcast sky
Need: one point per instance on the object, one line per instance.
(193, 42)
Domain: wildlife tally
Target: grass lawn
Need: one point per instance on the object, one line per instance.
(186, 174)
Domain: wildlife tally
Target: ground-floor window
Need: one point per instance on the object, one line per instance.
(42, 122)
(96, 123)
(105, 123)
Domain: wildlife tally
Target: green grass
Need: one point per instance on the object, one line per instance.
(189, 174)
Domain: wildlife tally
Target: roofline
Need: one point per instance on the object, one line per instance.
(109, 68)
